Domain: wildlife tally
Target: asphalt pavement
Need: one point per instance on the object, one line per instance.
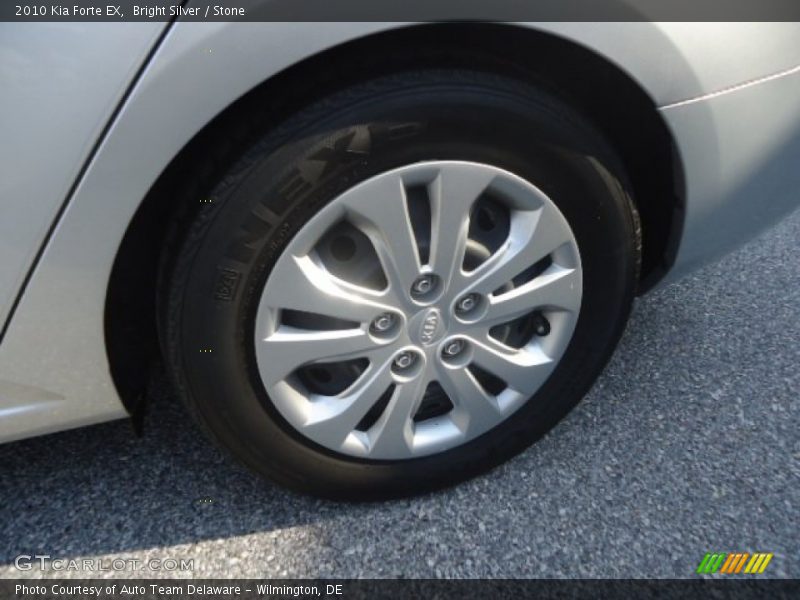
(688, 443)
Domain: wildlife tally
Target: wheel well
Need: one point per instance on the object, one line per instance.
(602, 91)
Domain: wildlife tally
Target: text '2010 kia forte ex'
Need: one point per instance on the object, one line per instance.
(374, 258)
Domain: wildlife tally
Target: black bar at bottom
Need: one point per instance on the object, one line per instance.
(246, 589)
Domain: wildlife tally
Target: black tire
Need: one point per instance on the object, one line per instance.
(295, 169)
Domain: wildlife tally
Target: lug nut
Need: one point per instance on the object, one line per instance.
(541, 326)
(453, 348)
(404, 360)
(422, 285)
(383, 323)
(467, 303)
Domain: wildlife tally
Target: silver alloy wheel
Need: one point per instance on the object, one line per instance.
(424, 324)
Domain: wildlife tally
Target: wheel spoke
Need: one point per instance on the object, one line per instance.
(522, 370)
(332, 419)
(475, 409)
(393, 433)
(453, 193)
(380, 210)
(289, 349)
(556, 289)
(308, 287)
(533, 236)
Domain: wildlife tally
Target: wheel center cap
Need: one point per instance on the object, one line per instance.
(428, 327)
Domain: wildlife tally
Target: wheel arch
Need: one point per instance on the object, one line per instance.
(608, 95)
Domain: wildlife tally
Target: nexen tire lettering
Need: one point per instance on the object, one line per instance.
(350, 145)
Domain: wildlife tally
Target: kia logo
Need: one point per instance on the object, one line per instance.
(430, 326)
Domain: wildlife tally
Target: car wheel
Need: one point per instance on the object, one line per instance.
(403, 285)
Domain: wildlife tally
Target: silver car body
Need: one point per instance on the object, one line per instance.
(92, 114)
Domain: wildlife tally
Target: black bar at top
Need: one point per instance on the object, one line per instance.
(400, 10)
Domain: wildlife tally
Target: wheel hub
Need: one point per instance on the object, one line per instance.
(428, 326)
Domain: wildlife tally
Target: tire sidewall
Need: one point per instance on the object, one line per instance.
(286, 178)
